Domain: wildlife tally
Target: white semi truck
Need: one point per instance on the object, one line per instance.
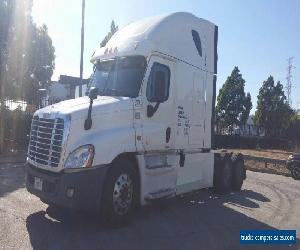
(145, 130)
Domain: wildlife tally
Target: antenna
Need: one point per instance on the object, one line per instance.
(289, 83)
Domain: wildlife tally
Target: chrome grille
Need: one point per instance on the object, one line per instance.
(45, 144)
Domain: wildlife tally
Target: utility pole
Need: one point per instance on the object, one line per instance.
(82, 47)
(289, 77)
(3, 79)
(1, 115)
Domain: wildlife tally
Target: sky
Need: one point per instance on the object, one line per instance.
(257, 36)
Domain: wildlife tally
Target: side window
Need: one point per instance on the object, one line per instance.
(197, 41)
(158, 83)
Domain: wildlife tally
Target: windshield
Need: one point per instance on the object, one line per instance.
(121, 76)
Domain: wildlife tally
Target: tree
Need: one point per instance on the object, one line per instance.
(294, 119)
(6, 14)
(40, 63)
(113, 30)
(26, 55)
(28, 61)
(19, 28)
(273, 113)
(233, 105)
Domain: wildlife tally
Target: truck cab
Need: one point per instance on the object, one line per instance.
(145, 131)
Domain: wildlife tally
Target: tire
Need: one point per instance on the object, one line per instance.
(295, 171)
(223, 174)
(238, 172)
(120, 194)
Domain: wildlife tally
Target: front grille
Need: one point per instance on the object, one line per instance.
(45, 144)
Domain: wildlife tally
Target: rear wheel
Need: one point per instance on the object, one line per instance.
(238, 171)
(120, 194)
(223, 174)
(295, 171)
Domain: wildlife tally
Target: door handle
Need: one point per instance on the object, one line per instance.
(181, 159)
(168, 134)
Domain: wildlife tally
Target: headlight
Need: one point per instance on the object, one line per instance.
(81, 157)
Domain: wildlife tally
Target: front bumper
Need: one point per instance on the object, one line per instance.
(87, 184)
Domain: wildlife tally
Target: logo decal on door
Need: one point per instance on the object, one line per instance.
(182, 120)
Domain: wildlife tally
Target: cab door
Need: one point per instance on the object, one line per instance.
(158, 105)
(159, 176)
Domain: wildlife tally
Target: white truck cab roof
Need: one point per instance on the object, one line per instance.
(157, 34)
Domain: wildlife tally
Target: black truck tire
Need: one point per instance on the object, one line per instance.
(222, 174)
(238, 171)
(120, 194)
(295, 171)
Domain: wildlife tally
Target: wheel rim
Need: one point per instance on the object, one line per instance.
(122, 194)
(296, 171)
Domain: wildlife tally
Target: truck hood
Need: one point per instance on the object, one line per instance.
(78, 108)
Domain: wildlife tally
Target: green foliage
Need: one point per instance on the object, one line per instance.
(27, 54)
(294, 119)
(233, 141)
(113, 30)
(273, 112)
(6, 12)
(40, 62)
(233, 105)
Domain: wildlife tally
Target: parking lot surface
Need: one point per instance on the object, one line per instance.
(200, 220)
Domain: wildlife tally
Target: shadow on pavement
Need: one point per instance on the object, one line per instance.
(12, 177)
(199, 220)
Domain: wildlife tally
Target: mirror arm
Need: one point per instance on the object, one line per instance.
(151, 112)
(88, 122)
(156, 107)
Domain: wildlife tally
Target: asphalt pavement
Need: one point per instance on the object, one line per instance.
(200, 220)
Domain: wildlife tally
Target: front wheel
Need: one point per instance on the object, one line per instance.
(295, 171)
(120, 194)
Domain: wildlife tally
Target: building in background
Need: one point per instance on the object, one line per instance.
(84, 88)
(249, 129)
(65, 88)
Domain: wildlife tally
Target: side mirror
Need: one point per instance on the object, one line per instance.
(93, 93)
